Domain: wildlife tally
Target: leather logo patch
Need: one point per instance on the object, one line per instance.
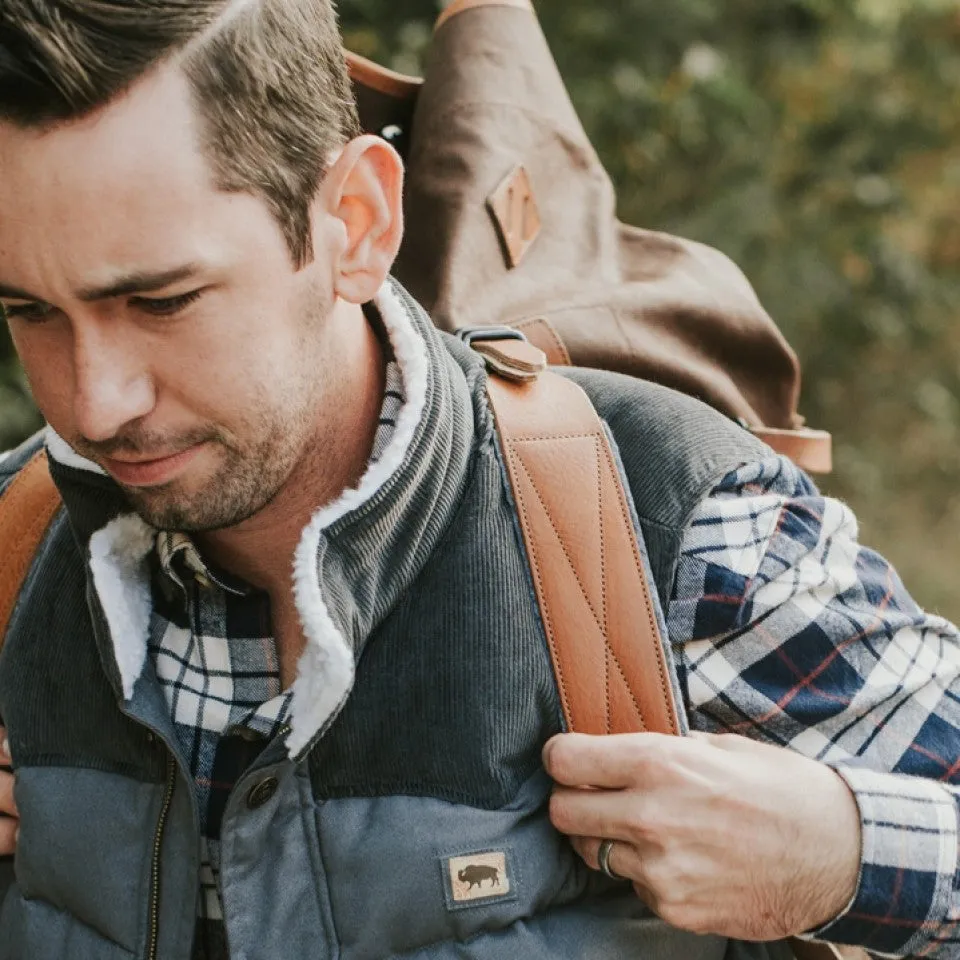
(514, 210)
(478, 876)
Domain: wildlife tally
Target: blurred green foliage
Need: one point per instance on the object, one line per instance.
(818, 143)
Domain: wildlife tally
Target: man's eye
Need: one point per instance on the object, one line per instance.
(166, 306)
(31, 312)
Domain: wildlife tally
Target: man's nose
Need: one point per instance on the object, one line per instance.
(113, 384)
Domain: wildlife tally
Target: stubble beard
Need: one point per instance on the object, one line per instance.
(243, 483)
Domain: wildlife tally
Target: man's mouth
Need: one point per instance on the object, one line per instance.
(143, 471)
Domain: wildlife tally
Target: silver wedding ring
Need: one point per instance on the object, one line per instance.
(603, 859)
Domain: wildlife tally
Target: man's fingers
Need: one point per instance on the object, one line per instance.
(7, 803)
(611, 762)
(9, 824)
(8, 836)
(597, 813)
(624, 859)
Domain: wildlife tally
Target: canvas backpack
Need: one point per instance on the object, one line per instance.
(512, 221)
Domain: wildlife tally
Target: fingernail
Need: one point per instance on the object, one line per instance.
(5, 747)
(547, 751)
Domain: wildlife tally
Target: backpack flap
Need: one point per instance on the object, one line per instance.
(513, 221)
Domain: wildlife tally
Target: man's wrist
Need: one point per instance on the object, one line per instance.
(908, 831)
(841, 850)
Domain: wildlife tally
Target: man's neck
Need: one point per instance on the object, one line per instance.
(261, 549)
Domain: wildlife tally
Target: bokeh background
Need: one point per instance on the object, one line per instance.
(817, 142)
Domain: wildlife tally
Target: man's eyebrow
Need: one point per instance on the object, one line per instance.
(122, 287)
(12, 293)
(137, 283)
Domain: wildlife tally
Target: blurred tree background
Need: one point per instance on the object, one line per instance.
(817, 142)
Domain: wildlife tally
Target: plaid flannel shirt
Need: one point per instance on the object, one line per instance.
(783, 629)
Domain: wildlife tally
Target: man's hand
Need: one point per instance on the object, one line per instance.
(8, 809)
(718, 834)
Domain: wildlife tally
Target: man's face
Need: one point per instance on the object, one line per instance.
(164, 328)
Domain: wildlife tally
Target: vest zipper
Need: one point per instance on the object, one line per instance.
(154, 918)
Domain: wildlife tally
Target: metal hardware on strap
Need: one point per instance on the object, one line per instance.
(472, 335)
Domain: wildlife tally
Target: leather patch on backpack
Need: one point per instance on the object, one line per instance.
(514, 210)
(478, 876)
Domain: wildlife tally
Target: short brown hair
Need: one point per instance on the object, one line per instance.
(268, 77)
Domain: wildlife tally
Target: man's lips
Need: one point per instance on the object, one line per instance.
(150, 473)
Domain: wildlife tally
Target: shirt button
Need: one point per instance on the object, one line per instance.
(262, 792)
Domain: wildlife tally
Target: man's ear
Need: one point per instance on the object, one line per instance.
(363, 193)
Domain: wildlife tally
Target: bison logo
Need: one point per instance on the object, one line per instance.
(476, 873)
(478, 876)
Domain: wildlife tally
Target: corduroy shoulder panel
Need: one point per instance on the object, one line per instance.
(455, 694)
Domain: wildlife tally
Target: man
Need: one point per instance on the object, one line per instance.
(276, 686)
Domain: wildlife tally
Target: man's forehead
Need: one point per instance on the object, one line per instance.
(148, 131)
(115, 198)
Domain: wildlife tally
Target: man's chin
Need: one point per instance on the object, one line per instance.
(171, 507)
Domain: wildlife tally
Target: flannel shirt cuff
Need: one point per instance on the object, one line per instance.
(907, 867)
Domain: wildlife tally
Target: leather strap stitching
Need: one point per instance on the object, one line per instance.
(601, 626)
(535, 568)
(662, 677)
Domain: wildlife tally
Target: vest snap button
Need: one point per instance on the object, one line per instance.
(262, 792)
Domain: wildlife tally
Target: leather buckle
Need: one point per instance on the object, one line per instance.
(506, 352)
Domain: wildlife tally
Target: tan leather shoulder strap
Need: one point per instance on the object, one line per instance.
(26, 509)
(587, 568)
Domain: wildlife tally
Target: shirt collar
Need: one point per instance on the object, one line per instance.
(179, 557)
